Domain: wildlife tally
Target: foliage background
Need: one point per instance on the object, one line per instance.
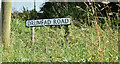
(93, 34)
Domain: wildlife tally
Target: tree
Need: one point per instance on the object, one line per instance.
(6, 19)
(81, 12)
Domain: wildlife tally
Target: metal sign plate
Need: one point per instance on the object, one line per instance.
(48, 22)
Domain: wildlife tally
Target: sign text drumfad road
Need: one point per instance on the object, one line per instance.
(48, 22)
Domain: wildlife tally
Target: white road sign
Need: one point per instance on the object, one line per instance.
(48, 22)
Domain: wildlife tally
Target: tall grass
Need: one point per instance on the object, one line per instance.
(50, 45)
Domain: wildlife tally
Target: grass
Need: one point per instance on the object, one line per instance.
(50, 44)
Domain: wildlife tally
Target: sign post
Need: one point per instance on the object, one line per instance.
(32, 37)
(48, 22)
(66, 32)
(32, 28)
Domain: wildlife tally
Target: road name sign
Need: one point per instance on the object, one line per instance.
(48, 22)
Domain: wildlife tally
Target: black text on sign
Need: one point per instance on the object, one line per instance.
(48, 22)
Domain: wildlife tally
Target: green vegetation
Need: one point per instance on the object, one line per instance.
(50, 46)
(93, 35)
